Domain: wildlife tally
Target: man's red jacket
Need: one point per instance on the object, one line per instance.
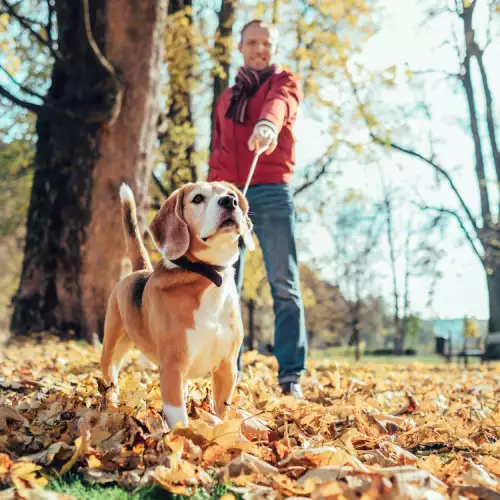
(276, 101)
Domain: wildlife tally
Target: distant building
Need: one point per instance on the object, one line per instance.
(454, 327)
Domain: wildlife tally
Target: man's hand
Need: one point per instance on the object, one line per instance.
(263, 135)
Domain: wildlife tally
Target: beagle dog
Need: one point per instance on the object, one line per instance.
(184, 315)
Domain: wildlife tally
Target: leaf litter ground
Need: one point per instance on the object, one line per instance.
(364, 431)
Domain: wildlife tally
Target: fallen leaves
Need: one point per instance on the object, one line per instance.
(368, 431)
(22, 474)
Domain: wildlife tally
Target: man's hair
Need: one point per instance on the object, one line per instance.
(272, 29)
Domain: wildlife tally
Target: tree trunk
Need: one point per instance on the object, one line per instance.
(406, 296)
(355, 313)
(251, 324)
(493, 283)
(466, 79)
(135, 28)
(398, 330)
(74, 241)
(222, 50)
(356, 339)
(49, 293)
(178, 141)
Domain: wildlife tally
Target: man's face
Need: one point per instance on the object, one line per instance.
(257, 46)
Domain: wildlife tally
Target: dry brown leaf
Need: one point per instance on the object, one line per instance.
(56, 451)
(34, 494)
(369, 425)
(8, 416)
(477, 475)
(246, 464)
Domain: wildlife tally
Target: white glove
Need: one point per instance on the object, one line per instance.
(264, 134)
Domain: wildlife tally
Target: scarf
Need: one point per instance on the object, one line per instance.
(246, 84)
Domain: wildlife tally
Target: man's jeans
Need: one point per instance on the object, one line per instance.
(272, 211)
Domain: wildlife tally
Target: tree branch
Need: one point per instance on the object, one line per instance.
(92, 43)
(438, 168)
(468, 34)
(454, 214)
(26, 23)
(490, 119)
(431, 71)
(113, 103)
(320, 173)
(34, 108)
(51, 12)
(415, 154)
(160, 186)
(37, 108)
(20, 85)
(221, 58)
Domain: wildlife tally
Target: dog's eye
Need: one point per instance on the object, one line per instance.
(198, 199)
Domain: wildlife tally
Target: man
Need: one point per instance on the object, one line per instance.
(259, 112)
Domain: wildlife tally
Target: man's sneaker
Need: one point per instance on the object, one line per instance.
(292, 389)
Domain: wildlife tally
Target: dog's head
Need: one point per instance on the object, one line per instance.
(203, 219)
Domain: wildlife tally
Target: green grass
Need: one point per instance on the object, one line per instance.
(347, 354)
(71, 484)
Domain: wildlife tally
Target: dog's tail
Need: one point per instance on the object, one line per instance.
(135, 246)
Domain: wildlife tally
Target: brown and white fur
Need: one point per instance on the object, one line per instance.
(181, 321)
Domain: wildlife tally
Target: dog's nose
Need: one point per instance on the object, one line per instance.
(228, 202)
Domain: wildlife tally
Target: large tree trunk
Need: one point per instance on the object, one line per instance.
(493, 283)
(74, 241)
(135, 28)
(222, 50)
(49, 293)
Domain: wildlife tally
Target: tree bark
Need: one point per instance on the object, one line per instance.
(493, 282)
(251, 324)
(222, 50)
(49, 293)
(126, 152)
(87, 145)
(492, 350)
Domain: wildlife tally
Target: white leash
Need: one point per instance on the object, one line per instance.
(252, 168)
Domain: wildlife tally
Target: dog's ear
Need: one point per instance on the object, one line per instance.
(168, 229)
(246, 227)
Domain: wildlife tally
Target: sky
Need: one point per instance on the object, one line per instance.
(462, 289)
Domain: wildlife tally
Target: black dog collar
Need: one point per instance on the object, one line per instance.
(208, 270)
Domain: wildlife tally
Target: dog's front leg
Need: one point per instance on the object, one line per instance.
(224, 380)
(172, 384)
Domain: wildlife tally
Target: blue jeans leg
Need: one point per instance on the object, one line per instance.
(272, 211)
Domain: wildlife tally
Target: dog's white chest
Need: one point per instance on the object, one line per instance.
(211, 339)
